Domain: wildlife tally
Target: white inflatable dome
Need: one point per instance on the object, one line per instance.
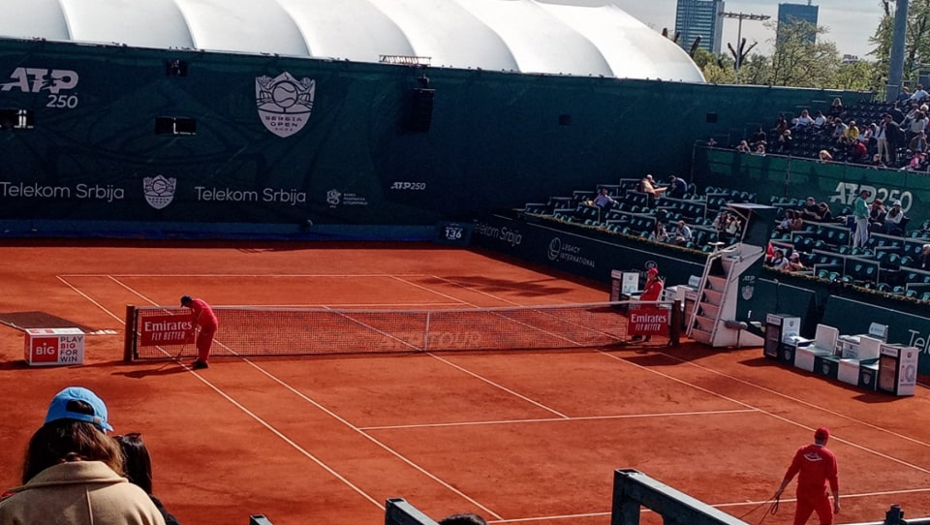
(570, 37)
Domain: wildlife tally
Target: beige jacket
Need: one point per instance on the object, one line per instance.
(79, 493)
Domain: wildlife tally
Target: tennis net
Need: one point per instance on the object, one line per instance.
(162, 332)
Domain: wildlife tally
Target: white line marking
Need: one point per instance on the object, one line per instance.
(773, 415)
(240, 275)
(719, 505)
(388, 449)
(505, 389)
(117, 281)
(801, 401)
(471, 289)
(447, 296)
(85, 296)
(552, 419)
(264, 423)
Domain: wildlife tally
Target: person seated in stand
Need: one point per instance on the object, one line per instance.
(917, 163)
(757, 137)
(793, 263)
(785, 224)
(893, 219)
(923, 259)
(803, 122)
(648, 186)
(760, 149)
(778, 259)
(138, 465)
(720, 223)
(781, 124)
(810, 210)
(743, 147)
(859, 152)
(918, 144)
(72, 471)
(677, 187)
(824, 156)
(659, 233)
(820, 121)
(604, 200)
(919, 95)
(877, 216)
(836, 109)
(839, 131)
(851, 135)
(683, 234)
(784, 142)
(825, 214)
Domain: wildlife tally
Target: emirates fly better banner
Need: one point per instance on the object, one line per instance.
(649, 320)
(169, 329)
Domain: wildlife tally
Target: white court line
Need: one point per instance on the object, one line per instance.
(343, 421)
(802, 402)
(117, 281)
(85, 296)
(471, 289)
(716, 506)
(773, 415)
(552, 419)
(505, 389)
(396, 454)
(239, 275)
(261, 421)
(447, 296)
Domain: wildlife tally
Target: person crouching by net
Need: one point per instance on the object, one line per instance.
(72, 473)
(138, 466)
(203, 317)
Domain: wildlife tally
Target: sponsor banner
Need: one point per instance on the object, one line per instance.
(54, 346)
(649, 320)
(169, 329)
(454, 233)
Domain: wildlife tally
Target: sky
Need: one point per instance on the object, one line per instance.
(850, 23)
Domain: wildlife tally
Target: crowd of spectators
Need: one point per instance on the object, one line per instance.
(894, 138)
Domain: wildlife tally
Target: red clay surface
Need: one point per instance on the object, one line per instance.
(527, 436)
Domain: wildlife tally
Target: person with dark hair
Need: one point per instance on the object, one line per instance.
(206, 320)
(463, 519)
(815, 466)
(677, 187)
(138, 465)
(72, 473)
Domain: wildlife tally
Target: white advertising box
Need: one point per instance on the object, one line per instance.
(54, 346)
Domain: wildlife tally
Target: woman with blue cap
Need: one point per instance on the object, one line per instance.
(73, 471)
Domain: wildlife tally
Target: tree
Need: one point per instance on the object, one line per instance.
(917, 40)
(799, 60)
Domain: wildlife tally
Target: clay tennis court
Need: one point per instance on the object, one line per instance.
(519, 436)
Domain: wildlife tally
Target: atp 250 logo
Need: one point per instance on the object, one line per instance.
(57, 82)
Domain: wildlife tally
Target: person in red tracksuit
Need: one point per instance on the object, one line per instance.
(815, 466)
(203, 317)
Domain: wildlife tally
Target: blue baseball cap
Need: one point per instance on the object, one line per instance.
(58, 409)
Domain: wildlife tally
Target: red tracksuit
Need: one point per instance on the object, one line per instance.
(204, 317)
(816, 466)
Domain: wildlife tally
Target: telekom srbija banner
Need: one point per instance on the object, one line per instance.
(169, 329)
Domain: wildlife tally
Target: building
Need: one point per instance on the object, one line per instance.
(700, 18)
(797, 12)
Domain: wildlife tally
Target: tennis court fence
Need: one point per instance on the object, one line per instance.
(166, 332)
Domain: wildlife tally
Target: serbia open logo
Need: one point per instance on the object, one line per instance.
(159, 191)
(284, 103)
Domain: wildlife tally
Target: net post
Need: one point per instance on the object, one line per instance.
(129, 335)
(426, 334)
(674, 333)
